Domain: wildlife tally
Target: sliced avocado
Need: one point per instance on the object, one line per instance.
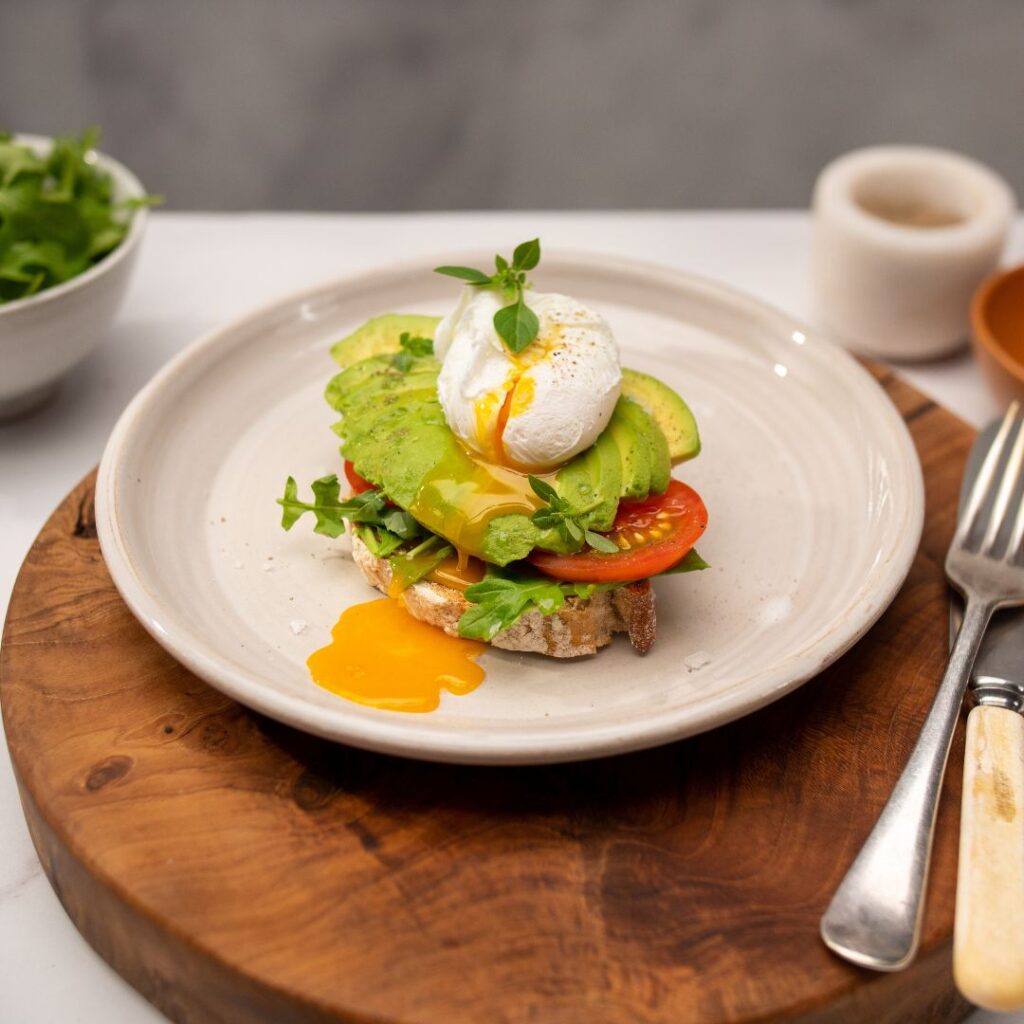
(508, 539)
(377, 374)
(422, 446)
(394, 432)
(381, 335)
(650, 436)
(634, 453)
(368, 423)
(670, 412)
(415, 388)
(594, 476)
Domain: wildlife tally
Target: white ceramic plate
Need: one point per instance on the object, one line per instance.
(811, 481)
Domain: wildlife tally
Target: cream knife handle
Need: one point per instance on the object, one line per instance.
(988, 941)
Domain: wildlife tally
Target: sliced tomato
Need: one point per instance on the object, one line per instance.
(652, 535)
(357, 483)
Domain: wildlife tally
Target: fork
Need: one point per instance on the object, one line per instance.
(874, 919)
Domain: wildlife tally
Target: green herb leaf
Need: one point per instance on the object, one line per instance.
(517, 325)
(399, 522)
(325, 506)
(411, 566)
(415, 345)
(690, 562)
(402, 361)
(544, 490)
(499, 600)
(381, 542)
(599, 543)
(563, 517)
(412, 348)
(368, 508)
(477, 277)
(526, 255)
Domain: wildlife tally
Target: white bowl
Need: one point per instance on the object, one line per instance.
(902, 237)
(43, 336)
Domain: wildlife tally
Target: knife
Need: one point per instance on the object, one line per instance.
(988, 938)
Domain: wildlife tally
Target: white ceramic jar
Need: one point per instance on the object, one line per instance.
(902, 237)
(44, 336)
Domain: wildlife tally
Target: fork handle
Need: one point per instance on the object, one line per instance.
(874, 919)
(988, 940)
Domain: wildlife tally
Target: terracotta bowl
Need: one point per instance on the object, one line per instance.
(997, 333)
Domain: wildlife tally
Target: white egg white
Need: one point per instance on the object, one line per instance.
(538, 408)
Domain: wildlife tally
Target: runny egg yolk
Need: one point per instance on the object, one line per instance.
(380, 656)
(493, 411)
(458, 572)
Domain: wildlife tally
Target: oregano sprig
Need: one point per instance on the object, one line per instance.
(411, 348)
(560, 515)
(516, 323)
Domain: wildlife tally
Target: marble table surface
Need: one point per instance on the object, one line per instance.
(199, 270)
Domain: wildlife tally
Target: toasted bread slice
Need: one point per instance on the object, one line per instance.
(580, 627)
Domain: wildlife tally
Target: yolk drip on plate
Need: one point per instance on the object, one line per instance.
(381, 656)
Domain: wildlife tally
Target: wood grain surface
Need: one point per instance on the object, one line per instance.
(236, 871)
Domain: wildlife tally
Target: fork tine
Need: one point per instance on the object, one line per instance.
(1008, 481)
(986, 475)
(1013, 547)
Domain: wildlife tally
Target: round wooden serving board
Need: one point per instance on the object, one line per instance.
(236, 871)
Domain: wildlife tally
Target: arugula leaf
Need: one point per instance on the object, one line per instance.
(58, 215)
(369, 508)
(690, 562)
(397, 521)
(380, 541)
(325, 506)
(517, 325)
(410, 567)
(497, 601)
(411, 349)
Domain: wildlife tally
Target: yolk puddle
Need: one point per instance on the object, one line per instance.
(381, 656)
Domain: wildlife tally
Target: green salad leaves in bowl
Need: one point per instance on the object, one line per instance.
(71, 220)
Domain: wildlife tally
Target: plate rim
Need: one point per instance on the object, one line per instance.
(386, 735)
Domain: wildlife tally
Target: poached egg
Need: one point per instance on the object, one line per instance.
(536, 409)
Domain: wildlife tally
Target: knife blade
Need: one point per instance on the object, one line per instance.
(1001, 658)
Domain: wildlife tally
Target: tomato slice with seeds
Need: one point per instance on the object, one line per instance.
(356, 482)
(652, 535)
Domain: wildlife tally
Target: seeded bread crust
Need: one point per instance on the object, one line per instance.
(579, 628)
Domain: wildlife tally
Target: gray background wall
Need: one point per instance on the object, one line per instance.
(426, 104)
